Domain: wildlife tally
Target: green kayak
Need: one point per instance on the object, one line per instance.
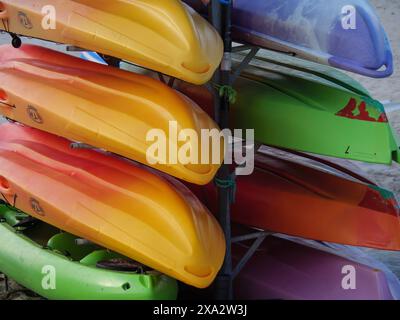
(301, 111)
(59, 266)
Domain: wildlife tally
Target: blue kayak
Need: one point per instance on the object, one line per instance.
(345, 34)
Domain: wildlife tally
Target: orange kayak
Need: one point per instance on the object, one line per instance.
(291, 198)
(111, 202)
(104, 107)
(166, 36)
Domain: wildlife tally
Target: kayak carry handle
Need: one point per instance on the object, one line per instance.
(346, 64)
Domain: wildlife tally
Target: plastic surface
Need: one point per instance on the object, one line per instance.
(296, 110)
(104, 107)
(112, 202)
(291, 198)
(345, 34)
(278, 61)
(283, 269)
(166, 36)
(24, 258)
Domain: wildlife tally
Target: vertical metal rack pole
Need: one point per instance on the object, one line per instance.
(221, 19)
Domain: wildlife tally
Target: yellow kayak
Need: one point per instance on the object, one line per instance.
(166, 36)
(112, 202)
(104, 107)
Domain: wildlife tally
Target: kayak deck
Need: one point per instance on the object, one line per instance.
(104, 107)
(112, 202)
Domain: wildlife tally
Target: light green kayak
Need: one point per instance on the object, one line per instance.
(55, 265)
(301, 111)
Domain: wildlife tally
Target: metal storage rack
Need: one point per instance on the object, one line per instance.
(220, 13)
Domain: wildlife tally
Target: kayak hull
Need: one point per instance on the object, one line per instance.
(112, 202)
(283, 269)
(103, 107)
(30, 264)
(291, 109)
(291, 198)
(318, 31)
(140, 32)
(298, 125)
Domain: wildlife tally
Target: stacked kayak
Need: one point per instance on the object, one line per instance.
(300, 111)
(82, 271)
(102, 107)
(87, 181)
(111, 202)
(292, 198)
(345, 34)
(166, 36)
(295, 269)
(81, 185)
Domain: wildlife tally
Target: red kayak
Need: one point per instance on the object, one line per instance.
(292, 198)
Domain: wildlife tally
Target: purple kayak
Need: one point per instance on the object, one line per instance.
(296, 269)
(345, 34)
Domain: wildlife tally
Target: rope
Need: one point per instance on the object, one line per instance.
(230, 184)
(227, 91)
